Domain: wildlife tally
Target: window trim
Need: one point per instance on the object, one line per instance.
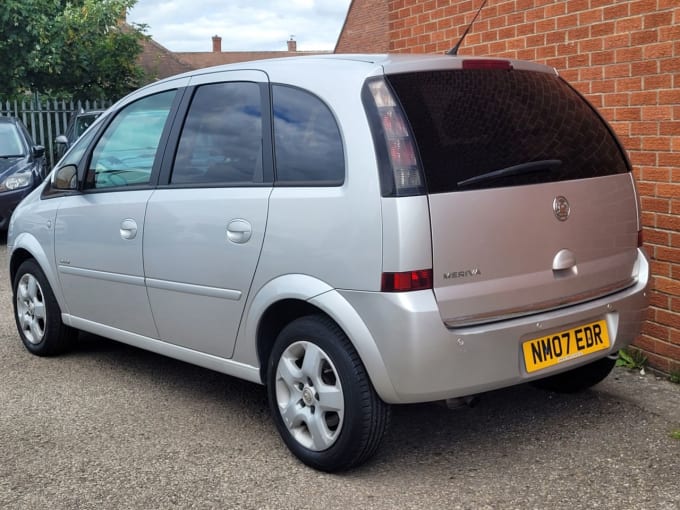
(170, 151)
(84, 165)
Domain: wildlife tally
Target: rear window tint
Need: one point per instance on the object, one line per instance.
(480, 129)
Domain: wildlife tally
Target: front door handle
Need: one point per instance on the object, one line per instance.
(128, 229)
(239, 231)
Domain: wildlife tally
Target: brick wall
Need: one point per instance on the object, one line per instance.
(365, 29)
(625, 57)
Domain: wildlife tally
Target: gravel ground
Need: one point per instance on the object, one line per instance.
(110, 426)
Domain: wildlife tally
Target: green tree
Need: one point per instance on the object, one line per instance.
(77, 48)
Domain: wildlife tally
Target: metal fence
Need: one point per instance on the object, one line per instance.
(47, 118)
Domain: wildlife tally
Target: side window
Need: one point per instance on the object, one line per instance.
(308, 145)
(125, 153)
(221, 141)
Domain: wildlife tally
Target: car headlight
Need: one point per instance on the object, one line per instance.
(16, 181)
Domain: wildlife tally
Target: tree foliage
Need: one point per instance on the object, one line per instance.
(77, 48)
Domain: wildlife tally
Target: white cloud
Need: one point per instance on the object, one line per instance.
(243, 25)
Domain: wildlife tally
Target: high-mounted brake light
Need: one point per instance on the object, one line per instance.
(487, 64)
(406, 174)
(406, 281)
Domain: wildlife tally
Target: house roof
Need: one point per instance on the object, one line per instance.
(159, 62)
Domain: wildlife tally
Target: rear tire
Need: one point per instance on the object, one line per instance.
(322, 401)
(578, 379)
(37, 313)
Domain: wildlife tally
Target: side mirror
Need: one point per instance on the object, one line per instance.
(37, 151)
(66, 178)
(61, 139)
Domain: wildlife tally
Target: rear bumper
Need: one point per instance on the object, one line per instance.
(425, 361)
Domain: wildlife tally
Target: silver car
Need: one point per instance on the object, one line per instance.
(350, 231)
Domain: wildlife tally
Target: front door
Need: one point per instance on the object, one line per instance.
(99, 232)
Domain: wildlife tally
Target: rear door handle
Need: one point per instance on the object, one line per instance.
(128, 229)
(239, 231)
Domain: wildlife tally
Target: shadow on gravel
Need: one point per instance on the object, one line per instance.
(505, 426)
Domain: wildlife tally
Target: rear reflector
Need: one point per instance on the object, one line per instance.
(407, 280)
(487, 64)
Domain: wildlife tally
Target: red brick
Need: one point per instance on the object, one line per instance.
(617, 71)
(656, 237)
(675, 337)
(658, 50)
(629, 24)
(644, 128)
(602, 29)
(657, 19)
(644, 68)
(666, 222)
(668, 350)
(646, 342)
(670, 65)
(643, 37)
(629, 84)
(577, 5)
(568, 21)
(642, 6)
(657, 113)
(590, 17)
(659, 81)
(659, 205)
(616, 11)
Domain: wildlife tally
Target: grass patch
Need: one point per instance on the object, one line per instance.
(675, 377)
(676, 434)
(632, 359)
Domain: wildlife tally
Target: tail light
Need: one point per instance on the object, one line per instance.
(400, 169)
(406, 281)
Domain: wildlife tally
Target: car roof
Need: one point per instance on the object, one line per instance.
(356, 64)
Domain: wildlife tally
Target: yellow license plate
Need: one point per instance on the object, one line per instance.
(549, 350)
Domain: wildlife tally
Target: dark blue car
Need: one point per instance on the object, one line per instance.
(22, 166)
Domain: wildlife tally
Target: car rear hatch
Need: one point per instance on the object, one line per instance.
(532, 203)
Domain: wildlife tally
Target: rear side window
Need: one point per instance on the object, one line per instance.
(307, 141)
(483, 128)
(221, 142)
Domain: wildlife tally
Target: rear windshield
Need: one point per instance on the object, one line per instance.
(485, 128)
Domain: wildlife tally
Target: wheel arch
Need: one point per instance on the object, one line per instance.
(289, 297)
(26, 247)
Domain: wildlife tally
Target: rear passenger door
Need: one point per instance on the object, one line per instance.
(206, 222)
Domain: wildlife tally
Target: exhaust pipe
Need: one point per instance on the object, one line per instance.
(458, 402)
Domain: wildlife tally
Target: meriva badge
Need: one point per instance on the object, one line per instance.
(561, 208)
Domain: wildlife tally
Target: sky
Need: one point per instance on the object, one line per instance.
(244, 25)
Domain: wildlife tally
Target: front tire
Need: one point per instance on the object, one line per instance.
(37, 313)
(578, 379)
(322, 401)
